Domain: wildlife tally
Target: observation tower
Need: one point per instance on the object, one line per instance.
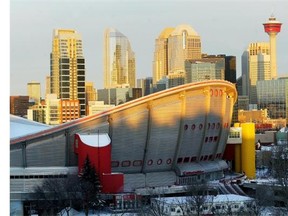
(272, 28)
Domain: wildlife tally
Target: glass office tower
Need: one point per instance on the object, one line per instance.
(273, 95)
(255, 67)
(172, 48)
(119, 60)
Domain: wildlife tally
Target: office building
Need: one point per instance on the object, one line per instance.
(273, 96)
(255, 67)
(172, 48)
(119, 60)
(37, 113)
(47, 85)
(230, 68)
(91, 93)
(117, 96)
(67, 67)
(19, 105)
(34, 91)
(160, 62)
(95, 107)
(146, 84)
(205, 69)
(60, 111)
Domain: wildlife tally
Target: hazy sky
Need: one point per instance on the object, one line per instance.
(225, 27)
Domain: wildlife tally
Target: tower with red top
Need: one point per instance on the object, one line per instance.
(272, 27)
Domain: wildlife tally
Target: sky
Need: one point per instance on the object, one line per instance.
(225, 27)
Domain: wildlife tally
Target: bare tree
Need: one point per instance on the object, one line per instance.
(197, 197)
(56, 194)
(280, 171)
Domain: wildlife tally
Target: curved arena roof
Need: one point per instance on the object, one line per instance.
(159, 132)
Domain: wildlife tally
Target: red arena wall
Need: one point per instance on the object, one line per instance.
(99, 153)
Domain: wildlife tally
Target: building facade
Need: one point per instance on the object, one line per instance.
(172, 48)
(119, 60)
(19, 105)
(91, 93)
(69, 110)
(255, 67)
(117, 96)
(34, 91)
(146, 84)
(160, 61)
(67, 67)
(205, 69)
(273, 96)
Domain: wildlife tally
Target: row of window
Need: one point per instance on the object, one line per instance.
(37, 176)
(137, 163)
(216, 92)
(210, 126)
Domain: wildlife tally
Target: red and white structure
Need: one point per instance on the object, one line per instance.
(97, 147)
(272, 28)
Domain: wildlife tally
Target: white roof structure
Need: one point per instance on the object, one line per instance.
(21, 127)
(95, 140)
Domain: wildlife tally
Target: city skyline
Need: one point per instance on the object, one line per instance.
(141, 22)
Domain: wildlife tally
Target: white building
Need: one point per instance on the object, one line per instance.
(220, 204)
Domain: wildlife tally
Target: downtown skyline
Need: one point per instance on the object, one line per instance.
(224, 27)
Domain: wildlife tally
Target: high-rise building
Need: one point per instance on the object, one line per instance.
(91, 93)
(205, 69)
(119, 60)
(67, 67)
(272, 28)
(47, 85)
(172, 48)
(34, 91)
(146, 85)
(183, 44)
(230, 65)
(273, 96)
(255, 67)
(160, 62)
(117, 96)
(230, 68)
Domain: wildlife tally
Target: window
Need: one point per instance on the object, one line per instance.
(137, 163)
(193, 159)
(179, 160)
(186, 159)
(114, 163)
(80, 61)
(126, 163)
(150, 162)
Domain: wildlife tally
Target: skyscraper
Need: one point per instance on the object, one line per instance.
(119, 60)
(34, 91)
(67, 67)
(184, 43)
(255, 66)
(205, 69)
(172, 48)
(160, 62)
(273, 96)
